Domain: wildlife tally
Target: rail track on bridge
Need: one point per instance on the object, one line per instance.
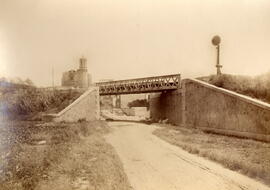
(140, 85)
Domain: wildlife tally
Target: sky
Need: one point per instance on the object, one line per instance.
(124, 39)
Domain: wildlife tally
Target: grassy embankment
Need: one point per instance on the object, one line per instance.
(37, 155)
(249, 157)
(256, 87)
(28, 102)
(45, 156)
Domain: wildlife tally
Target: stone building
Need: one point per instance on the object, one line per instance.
(79, 78)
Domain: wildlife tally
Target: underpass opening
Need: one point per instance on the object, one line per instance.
(115, 96)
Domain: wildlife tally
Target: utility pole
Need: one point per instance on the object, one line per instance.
(216, 41)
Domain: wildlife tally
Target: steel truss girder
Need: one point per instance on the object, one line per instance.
(140, 85)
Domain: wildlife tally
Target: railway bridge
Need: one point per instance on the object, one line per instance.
(187, 102)
(140, 85)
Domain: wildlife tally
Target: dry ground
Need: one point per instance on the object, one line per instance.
(152, 163)
(249, 157)
(53, 156)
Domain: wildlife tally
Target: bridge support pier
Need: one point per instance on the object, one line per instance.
(117, 101)
(183, 108)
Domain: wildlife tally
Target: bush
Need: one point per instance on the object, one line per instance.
(18, 101)
(139, 103)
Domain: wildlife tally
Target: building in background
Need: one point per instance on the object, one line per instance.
(79, 78)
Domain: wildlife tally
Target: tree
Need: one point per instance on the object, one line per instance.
(29, 82)
(138, 103)
(3, 79)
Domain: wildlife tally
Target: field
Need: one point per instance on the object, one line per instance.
(246, 156)
(37, 155)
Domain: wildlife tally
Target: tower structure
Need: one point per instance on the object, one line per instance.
(79, 78)
(83, 64)
(82, 75)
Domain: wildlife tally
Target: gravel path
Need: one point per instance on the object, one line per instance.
(151, 163)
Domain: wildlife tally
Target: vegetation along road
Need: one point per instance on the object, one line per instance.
(151, 163)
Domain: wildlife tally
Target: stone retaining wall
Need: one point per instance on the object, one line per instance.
(167, 105)
(199, 104)
(86, 107)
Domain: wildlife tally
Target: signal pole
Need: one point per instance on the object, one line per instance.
(216, 41)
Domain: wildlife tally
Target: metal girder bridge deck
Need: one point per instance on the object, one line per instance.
(140, 85)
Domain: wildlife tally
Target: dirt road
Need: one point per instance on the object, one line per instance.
(151, 163)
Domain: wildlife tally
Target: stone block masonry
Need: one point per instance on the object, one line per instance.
(167, 105)
(86, 107)
(201, 105)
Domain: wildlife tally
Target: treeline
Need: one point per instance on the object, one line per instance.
(16, 81)
(139, 103)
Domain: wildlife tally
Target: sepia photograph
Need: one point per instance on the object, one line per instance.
(134, 95)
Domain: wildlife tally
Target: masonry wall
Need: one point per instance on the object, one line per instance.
(223, 111)
(167, 105)
(86, 107)
(214, 109)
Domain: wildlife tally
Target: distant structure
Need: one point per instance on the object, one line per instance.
(79, 78)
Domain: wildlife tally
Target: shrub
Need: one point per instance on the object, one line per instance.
(139, 103)
(21, 100)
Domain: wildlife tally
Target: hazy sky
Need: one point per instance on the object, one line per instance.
(132, 38)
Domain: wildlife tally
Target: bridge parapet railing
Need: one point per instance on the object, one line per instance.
(140, 85)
